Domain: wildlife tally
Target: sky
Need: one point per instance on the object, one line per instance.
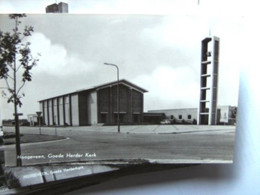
(155, 45)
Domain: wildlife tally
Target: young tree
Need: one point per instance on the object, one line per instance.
(16, 63)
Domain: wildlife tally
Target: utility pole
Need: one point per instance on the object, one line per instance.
(118, 97)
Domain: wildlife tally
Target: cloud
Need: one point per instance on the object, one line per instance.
(7, 7)
(159, 53)
(169, 86)
(54, 59)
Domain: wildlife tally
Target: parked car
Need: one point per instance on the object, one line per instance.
(165, 122)
(190, 121)
(177, 121)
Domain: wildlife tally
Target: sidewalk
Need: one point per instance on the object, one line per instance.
(128, 129)
(32, 138)
(103, 146)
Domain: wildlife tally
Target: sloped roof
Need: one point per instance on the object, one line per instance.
(122, 81)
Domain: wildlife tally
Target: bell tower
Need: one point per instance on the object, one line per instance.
(209, 81)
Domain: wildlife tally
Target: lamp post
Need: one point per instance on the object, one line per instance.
(118, 103)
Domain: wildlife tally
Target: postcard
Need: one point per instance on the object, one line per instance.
(96, 93)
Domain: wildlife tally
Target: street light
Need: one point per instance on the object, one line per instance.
(118, 103)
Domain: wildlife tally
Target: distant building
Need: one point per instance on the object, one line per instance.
(57, 8)
(11, 122)
(226, 115)
(179, 116)
(95, 105)
(32, 119)
(153, 117)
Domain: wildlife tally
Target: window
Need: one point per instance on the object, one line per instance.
(172, 117)
(136, 118)
(180, 116)
(189, 116)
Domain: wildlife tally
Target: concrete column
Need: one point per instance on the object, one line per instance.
(70, 114)
(52, 111)
(98, 107)
(64, 110)
(48, 113)
(58, 111)
(43, 112)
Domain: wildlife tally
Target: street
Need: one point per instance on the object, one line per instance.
(153, 143)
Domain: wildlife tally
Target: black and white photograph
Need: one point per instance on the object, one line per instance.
(88, 94)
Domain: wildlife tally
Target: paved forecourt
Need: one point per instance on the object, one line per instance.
(129, 129)
(155, 143)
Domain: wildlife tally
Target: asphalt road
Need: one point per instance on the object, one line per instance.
(154, 143)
